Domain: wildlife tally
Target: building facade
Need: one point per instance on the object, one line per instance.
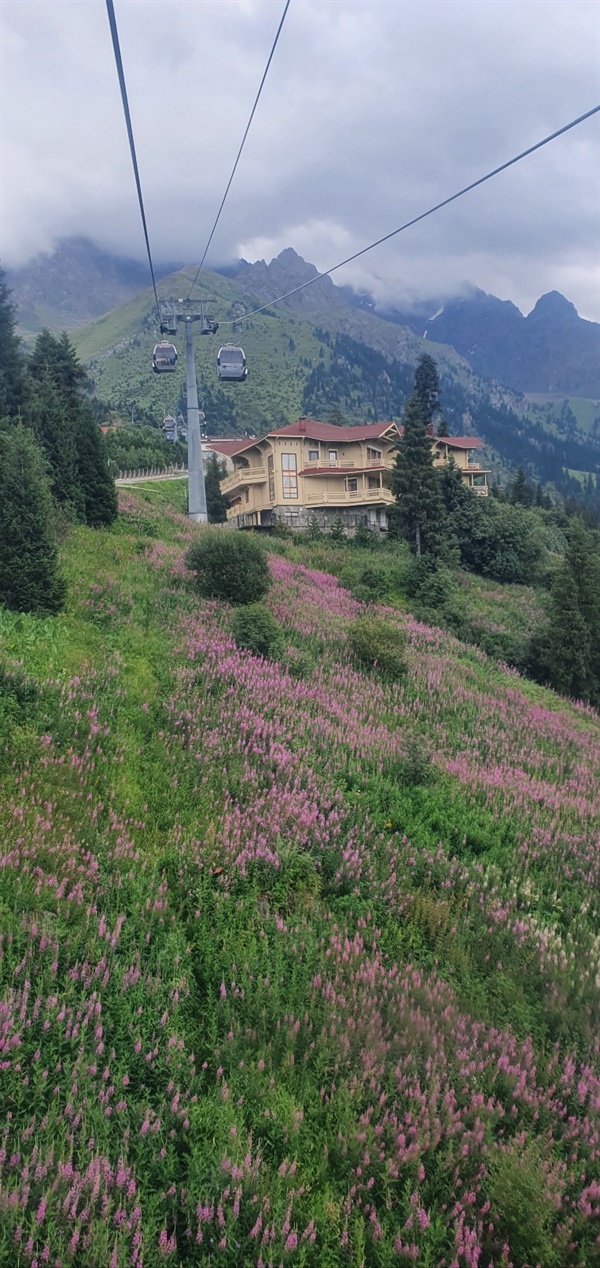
(316, 469)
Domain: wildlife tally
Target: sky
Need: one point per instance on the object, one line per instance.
(373, 111)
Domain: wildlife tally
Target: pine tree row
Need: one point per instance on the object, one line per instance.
(52, 463)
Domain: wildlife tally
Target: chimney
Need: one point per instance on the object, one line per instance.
(430, 429)
(302, 426)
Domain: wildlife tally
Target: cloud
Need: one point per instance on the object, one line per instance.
(372, 112)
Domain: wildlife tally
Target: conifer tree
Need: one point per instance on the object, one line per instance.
(336, 418)
(30, 580)
(55, 360)
(416, 485)
(427, 389)
(12, 364)
(55, 432)
(216, 503)
(442, 428)
(568, 644)
(521, 493)
(97, 485)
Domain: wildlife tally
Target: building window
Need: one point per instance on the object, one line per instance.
(332, 455)
(352, 484)
(374, 482)
(313, 455)
(373, 455)
(289, 475)
(247, 494)
(478, 481)
(271, 475)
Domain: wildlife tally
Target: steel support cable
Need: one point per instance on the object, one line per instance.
(119, 63)
(423, 216)
(239, 153)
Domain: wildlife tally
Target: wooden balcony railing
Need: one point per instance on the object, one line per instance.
(243, 476)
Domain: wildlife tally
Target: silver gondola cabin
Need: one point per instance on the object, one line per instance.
(231, 364)
(164, 358)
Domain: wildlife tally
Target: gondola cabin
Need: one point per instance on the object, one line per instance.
(164, 358)
(231, 364)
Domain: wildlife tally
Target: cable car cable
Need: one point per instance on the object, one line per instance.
(239, 153)
(119, 63)
(423, 216)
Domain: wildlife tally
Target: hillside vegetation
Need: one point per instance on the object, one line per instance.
(299, 960)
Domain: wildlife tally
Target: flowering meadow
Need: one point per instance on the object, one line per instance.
(298, 965)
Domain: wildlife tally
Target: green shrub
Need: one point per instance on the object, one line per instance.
(417, 767)
(379, 642)
(255, 629)
(298, 662)
(523, 1209)
(367, 582)
(229, 565)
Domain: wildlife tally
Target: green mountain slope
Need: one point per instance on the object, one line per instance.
(310, 353)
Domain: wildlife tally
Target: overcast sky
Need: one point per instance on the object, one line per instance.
(373, 110)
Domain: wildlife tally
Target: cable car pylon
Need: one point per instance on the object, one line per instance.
(189, 311)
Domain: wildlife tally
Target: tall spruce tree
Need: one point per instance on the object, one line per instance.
(216, 503)
(427, 389)
(55, 360)
(567, 645)
(30, 579)
(521, 493)
(97, 485)
(13, 384)
(54, 430)
(416, 484)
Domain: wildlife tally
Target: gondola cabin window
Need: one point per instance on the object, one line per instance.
(289, 475)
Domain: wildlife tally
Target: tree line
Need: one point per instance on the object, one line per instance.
(53, 465)
(502, 536)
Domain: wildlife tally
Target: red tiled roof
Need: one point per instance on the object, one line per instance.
(227, 447)
(328, 431)
(461, 442)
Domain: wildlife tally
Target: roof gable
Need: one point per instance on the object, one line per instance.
(329, 432)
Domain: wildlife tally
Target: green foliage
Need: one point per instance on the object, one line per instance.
(521, 492)
(255, 629)
(523, 1204)
(364, 538)
(369, 581)
(30, 580)
(567, 652)
(12, 365)
(416, 768)
(54, 429)
(216, 503)
(298, 662)
(229, 565)
(496, 539)
(313, 532)
(141, 448)
(336, 532)
(97, 484)
(71, 438)
(415, 484)
(380, 643)
(427, 388)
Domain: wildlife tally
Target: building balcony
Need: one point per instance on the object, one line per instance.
(323, 466)
(345, 497)
(242, 477)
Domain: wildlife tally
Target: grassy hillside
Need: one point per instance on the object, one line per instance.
(298, 965)
(117, 349)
